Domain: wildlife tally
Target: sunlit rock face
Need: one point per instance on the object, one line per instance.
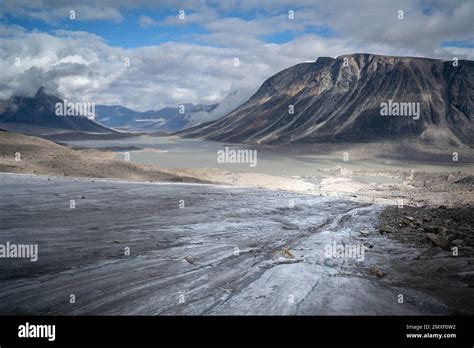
(341, 99)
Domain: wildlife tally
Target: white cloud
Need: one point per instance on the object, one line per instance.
(48, 12)
(83, 66)
(145, 21)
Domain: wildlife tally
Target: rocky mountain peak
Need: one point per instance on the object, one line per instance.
(341, 99)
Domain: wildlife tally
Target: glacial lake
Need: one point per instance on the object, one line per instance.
(172, 152)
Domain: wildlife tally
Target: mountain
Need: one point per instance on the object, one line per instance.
(169, 119)
(186, 117)
(117, 116)
(342, 100)
(37, 115)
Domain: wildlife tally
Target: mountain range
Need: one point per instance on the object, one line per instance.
(169, 119)
(345, 99)
(351, 98)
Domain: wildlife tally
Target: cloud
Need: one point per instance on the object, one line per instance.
(52, 11)
(186, 17)
(84, 66)
(425, 24)
(145, 21)
(230, 100)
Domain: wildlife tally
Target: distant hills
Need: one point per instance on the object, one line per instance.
(170, 119)
(355, 98)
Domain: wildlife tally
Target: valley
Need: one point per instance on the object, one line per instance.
(307, 199)
(127, 248)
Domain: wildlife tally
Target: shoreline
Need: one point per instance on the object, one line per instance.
(415, 188)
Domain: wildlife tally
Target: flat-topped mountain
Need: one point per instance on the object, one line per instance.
(355, 98)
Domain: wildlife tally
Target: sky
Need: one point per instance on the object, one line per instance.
(150, 54)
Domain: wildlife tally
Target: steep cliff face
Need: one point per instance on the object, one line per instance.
(341, 100)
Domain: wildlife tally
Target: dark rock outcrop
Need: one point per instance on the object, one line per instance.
(37, 115)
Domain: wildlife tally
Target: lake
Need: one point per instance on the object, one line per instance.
(172, 152)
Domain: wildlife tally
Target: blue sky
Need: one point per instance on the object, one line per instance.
(174, 61)
(128, 33)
